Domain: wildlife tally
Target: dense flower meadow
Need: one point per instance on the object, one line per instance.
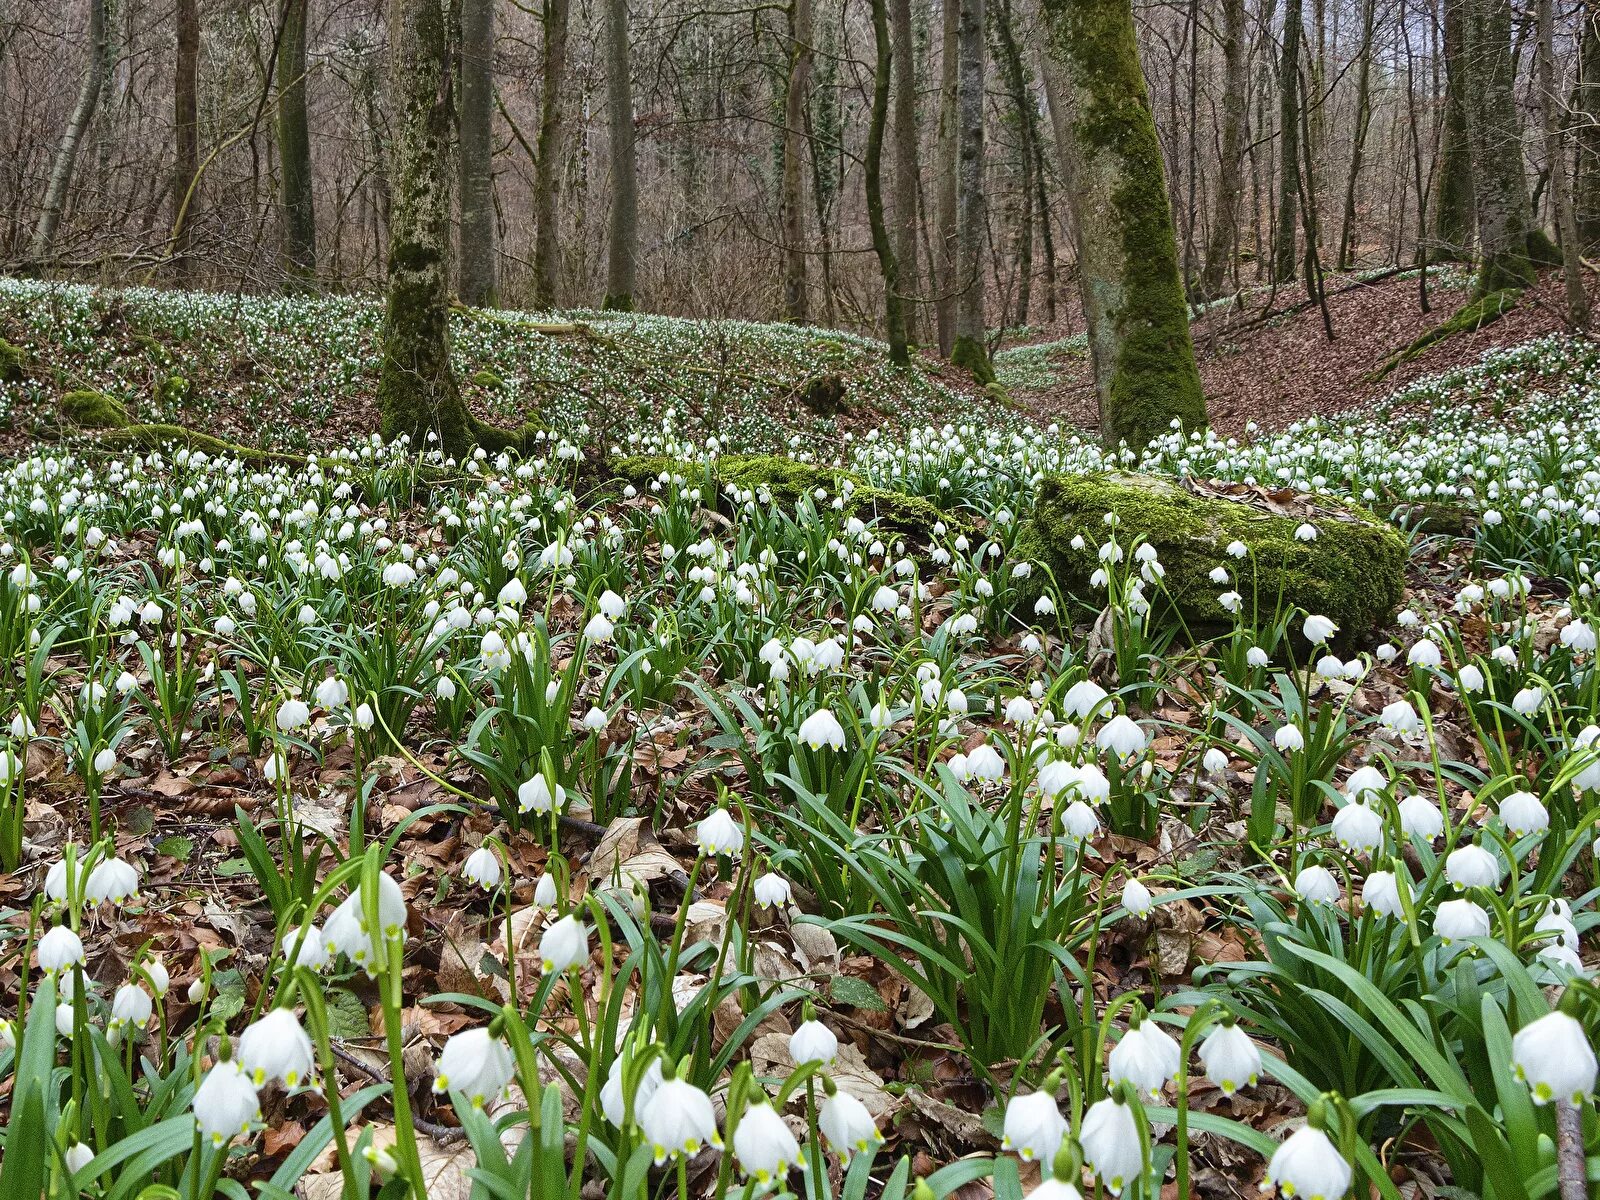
(489, 828)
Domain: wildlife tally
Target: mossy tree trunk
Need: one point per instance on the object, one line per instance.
(1586, 129)
(1284, 245)
(1144, 365)
(1019, 90)
(971, 348)
(61, 172)
(478, 274)
(1555, 153)
(1453, 214)
(1509, 244)
(906, 175)
(893, 307)
(294, 146)
(185, 132)
(796, 303)
(945, 174)
(622, 249)
(416, 387)
(552, 136)
(1230, 179)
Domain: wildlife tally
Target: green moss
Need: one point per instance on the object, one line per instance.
(1473, 315)
(94, 410)
(971, 353)
(152, 437)
(13, 362)
(1352, 573)
(488, 380)
(175, 391)
(622, 303)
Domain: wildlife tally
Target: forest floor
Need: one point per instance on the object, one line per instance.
(1267, 356)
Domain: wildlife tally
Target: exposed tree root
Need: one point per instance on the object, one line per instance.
(1469, 317)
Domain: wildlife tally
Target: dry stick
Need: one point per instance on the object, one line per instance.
(1571, 1170)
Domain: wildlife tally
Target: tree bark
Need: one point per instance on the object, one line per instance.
(971, 348)
(1230, 182)
(186, 134)
(906, 182)
(552, 136)
(1016, 76)
(1144, 364)
(1284, 257)
(55, 196)
(1453, 218)
(1359, 138)
(947, 154)
(478, 258)
(622, 249)
(1555, 153)
(893, 306)
(796, 306)
(1586, 127)
(294, 148)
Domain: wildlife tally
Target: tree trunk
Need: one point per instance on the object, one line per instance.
(1506, 236)
(186, 134)
(1284, 257)
(947, 154)
(1555, 153)
(1225, 200)
(294, 147)
(893, 306)
(416, 387)
(622, 250)
(1453, 215)
(906, 183)
(1586, 127)
(552, 136)
(1359, 144)
(1144, 365)
(55, 196)
(1027, 131)
(971, 348)
(795, 300)
(478, 258)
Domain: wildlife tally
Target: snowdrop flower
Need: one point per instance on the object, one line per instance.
(1288, 739)
(1552, 1055)
(1469, 679)
(482, 868)
(1578, 636)
(762, 1143)
(474, 1064)
(1145, 1058)
(535, 795)
(719, 833)
(771, 889)
(513, 594)
(346, 931)
(1358, 829)
(1420, 817)
(1256, 657)
(131, 1006)
(331, 692)
(312, 953)
(156, 972)
(1136, 898)
(1365, 784)
(113, 880)
(1316, 885)
(1231, 1060)
(1231, 602)
(1214, 761)
(1400, 718)
(595, 720)
(1457, 919)
(1309, 1167)
(1528, 701)
(362, 717)
(225, 1104)
(1079, 822)
(612, 1101)
(1306, 532)
(60, 950)
(813, 1042)
(598, 629)
(1110, 1138)
(1472, 866)
(399, 575)
(1122, 737)
(678, 1121)
(985, 763)
(78, 1156)
(821, 729)
(1019, 710)
(1523, 813)
(1237, 549)
(292, 714)
(847, 1125)
(1318, 629)
(1381, 894)
(1033, 1126)
(564, 945)
(544, 892)
(1083, 699)
(1424, 654)
(276, 1047)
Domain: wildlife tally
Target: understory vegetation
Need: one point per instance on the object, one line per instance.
(732, 798)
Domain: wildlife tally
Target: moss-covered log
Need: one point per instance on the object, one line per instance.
(93, 410)
(1353, 572)
(13, 362)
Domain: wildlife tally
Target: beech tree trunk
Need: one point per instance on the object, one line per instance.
(1453, 218)
(1586, 129)
(186, 134)
(552, 136)
(906, 181)
(294, 147)
(946, 152)
(1284, 247)
(1144, 364)
(55, 196)
(1230, 180)
(893, 307)
(1347, 233)
(971, 349)
(479, 272)
(1022, 102)
(622, 250)
(796, 304)
(1555, 153)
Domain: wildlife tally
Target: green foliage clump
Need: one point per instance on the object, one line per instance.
(13, 360)
(1352, 573)
(94, 410)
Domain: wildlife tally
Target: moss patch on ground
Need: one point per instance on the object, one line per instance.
(93, 410)
(1352, 573)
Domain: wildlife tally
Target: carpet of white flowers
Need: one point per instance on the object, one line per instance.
(487, 829)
